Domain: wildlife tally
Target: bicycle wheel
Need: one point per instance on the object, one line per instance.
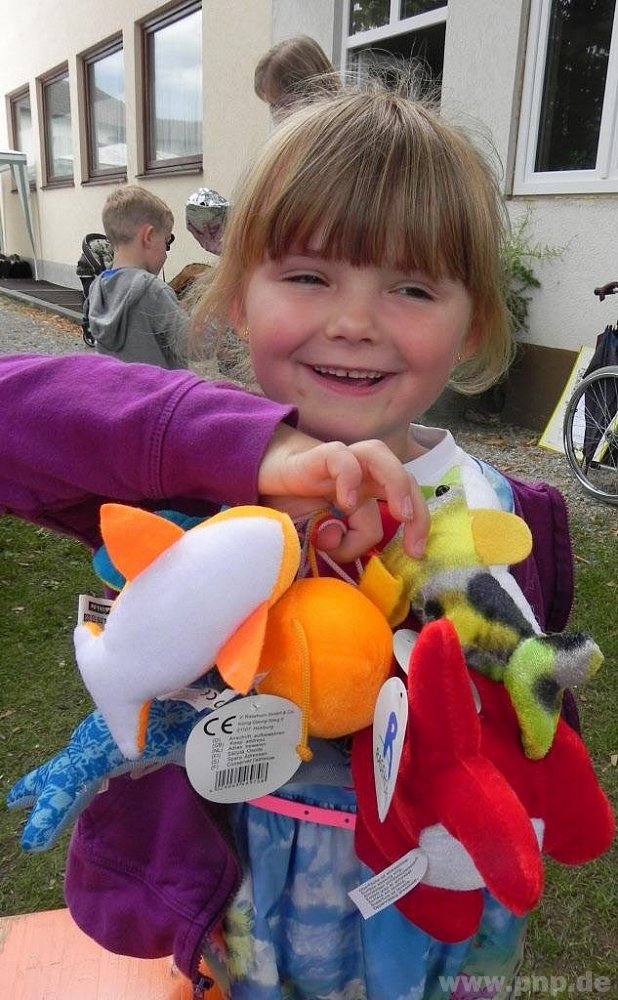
(590, 434)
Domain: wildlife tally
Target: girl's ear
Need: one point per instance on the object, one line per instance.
(470, 343)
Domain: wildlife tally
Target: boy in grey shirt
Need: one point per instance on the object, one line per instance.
(132, 313)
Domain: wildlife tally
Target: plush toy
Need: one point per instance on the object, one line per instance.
(467, 796)
(192, 597)
(464, 577)
(223, 592)
(328, 649)
(58, 790)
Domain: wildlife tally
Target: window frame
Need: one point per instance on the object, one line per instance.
(149, 27)
(395, 26)
(527, 180)
(94, 174)
(43, 84)
(12, 99)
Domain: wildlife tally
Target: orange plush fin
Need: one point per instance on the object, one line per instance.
(239, 658)
(134, 537)
(142, 725)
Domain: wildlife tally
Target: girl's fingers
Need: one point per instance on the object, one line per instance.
(347, 475)
(403, 495)
(364, 531)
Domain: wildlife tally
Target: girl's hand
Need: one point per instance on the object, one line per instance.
(297, 470)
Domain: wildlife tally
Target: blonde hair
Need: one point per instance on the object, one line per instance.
(129, 207)
(295, 70)
(382, 180)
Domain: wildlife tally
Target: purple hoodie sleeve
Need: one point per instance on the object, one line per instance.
(81, 429)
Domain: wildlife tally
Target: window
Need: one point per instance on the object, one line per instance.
(22, 136)
(58, 144)
(568, 139)
(378, 30)
(105, 112)
(172, 50)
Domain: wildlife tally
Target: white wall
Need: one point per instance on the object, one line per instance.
(483, 67)
(321, 19)
(41, 34)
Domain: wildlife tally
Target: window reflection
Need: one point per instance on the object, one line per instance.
(58, 124)
(574, 84)
(367, 14)
(108, 113)
(410, 8)
(23, 135)
(176, 88)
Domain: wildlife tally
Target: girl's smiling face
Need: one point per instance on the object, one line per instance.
(361, 351)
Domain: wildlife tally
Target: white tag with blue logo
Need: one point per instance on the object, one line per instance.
(390, 719)
(404, 640)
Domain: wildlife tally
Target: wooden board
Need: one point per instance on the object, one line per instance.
(45, 956)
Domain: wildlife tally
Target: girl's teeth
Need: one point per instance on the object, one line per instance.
(347, 373)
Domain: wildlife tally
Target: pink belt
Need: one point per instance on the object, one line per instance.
(299, 810)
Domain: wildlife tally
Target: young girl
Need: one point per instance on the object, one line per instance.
(361, 264)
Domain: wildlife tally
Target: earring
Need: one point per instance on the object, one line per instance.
(243, 332)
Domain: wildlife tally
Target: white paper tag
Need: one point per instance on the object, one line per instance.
(201, 698)
(245, 750)
(404, 640)
(390, 885)
(93, 609)
(390, 719)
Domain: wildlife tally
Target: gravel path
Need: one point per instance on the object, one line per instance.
(512, 449)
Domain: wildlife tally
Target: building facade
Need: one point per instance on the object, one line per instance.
(162, 95)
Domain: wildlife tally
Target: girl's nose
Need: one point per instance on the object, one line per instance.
(352, 319)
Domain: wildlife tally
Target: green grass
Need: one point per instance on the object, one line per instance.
(41, 694)
(574, 929)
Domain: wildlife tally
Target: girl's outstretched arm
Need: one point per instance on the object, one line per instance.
(81, 429)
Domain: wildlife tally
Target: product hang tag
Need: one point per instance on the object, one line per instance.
(244, 750)
(390, 885)
(390, 719)
(93, 609)
(404, 640)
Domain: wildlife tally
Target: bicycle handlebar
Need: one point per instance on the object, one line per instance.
(609, 289)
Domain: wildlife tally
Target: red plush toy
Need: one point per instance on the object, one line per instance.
(467, 795)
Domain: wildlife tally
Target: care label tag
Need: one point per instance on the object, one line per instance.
(201, 698)
(93, 609)
(390, 885)
(404, 640)
(390, 719)
(244, 750)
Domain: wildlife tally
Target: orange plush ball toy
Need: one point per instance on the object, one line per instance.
(329, 650)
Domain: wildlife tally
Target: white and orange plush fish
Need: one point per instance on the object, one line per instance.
(191, 599)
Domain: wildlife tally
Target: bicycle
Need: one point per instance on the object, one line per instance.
(590, 429)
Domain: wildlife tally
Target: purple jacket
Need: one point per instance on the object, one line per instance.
(150, 868)
(83, 429)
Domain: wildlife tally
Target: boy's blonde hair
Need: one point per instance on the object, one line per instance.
(129, 207)
(294, 70)
(381, 180)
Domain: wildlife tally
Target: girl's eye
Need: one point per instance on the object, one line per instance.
(306, 279)
(415, 292)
